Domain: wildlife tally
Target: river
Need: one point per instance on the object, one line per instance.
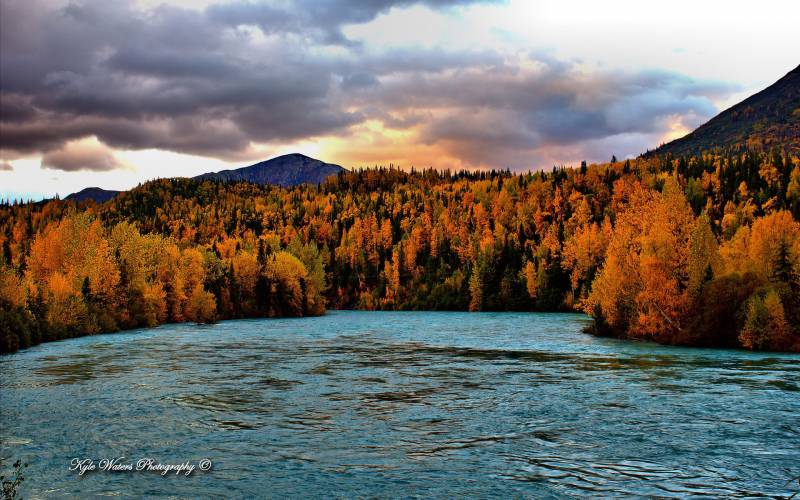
(406, 404)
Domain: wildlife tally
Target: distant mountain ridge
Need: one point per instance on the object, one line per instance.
(97, 194)
(286, 170)
(768, 119)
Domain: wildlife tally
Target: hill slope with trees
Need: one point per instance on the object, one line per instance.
(765, 121)
(698, 250)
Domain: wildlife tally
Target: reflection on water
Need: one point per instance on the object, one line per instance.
(402, 404)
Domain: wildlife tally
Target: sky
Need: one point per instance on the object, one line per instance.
(111, 93)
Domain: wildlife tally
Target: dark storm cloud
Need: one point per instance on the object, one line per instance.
(169, 78)
(176, 79)
(202, 82)
(508, 110)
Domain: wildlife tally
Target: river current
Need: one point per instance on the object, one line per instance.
(407, 404)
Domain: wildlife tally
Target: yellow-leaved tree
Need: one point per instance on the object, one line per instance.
(641, 289)
(72, 268)
(287, 277)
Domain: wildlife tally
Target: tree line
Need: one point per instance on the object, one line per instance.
(700, 250)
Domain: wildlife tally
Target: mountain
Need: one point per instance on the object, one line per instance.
(286, 170)
(768, 119)
(92, 193)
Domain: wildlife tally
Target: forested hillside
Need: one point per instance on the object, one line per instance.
(764, 121)
(699, 250)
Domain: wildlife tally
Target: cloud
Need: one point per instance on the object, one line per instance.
(509, 114)
(225, 81)
(177, 79)
(6, 166)
(320, 20)
(87, 154)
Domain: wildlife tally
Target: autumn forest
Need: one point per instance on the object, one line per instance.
(701, 250)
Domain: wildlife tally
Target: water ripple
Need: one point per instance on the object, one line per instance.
(403, 405)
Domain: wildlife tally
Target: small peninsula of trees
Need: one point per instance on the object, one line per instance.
(700, 250)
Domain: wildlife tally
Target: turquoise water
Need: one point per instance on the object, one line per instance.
(380, 404)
